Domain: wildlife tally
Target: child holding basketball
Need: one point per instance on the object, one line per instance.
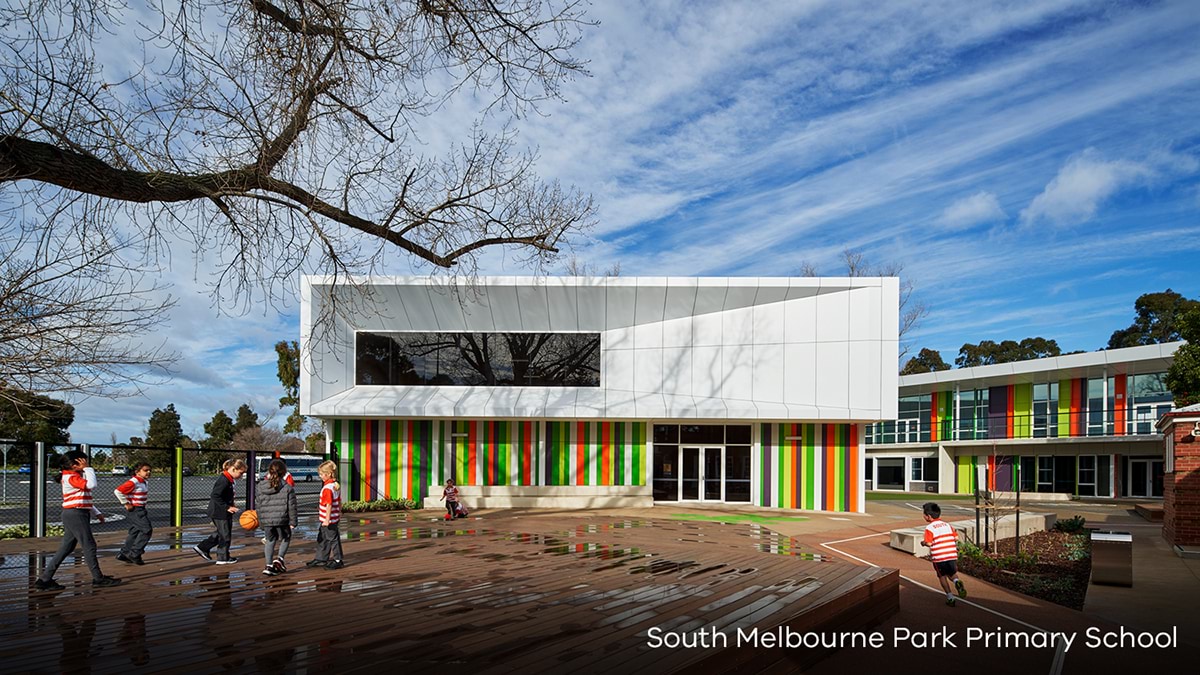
(276, 502)
(329, 513)
(132, 494)
(941, 540)
(221, 510)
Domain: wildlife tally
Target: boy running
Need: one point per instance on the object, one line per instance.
(941, 540)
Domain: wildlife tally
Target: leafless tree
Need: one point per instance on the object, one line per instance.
(912, 310)
(74, 315)
(266, 439)
(278, 135)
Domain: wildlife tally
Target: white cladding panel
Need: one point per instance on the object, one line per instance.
(671, 348)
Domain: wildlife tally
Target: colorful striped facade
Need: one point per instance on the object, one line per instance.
(796, 465)
(810, 466)
(401, 459)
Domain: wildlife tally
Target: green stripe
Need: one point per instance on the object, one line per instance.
(639, 453)
(810, 460)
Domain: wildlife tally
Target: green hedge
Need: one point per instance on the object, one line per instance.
(22, 531)
(380, 505)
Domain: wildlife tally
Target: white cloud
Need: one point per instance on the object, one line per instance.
(1080, 187)
(981, 207)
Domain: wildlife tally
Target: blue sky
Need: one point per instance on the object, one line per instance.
(1034, 166)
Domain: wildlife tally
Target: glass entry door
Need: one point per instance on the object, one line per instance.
(702, 475)
(1146, 477)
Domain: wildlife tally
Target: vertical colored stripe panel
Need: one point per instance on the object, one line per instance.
(764, 463)
(1120, 382)
(1065, 417)
(1022, 410)
(855, 477)
(1011, 410)
(810, 466)
(639, 453)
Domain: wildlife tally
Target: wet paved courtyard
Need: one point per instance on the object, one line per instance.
(510, 591)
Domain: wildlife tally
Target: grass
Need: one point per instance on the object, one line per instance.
(738, 518)
(876, 496)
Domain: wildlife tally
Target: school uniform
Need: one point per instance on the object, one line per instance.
(329, 509)
(276, 515)
(134, 492)
(219, 501)
(77, 511)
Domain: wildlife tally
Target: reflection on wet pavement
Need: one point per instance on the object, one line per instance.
(416, 591)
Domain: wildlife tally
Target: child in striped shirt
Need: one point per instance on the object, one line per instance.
(329, 513)
(941, 540)
(78, 480)
(133, 494)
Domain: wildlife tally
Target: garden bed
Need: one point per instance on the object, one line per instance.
(1053, 566)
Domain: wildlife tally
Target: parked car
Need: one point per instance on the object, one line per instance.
(120, 470)
(24, 469)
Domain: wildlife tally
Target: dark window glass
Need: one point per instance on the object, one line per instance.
(666, 433)
(1028, 474)
(478, 359)
(931, 469)
(702, 433)
(737, 473)
(738, 433)
(666, 473)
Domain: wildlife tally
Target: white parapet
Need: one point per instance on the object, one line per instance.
(550, 496)
(909, 539)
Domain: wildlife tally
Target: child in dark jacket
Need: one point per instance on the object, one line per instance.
(276, 502)
(221, 510)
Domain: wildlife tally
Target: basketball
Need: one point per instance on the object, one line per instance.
(249, 520)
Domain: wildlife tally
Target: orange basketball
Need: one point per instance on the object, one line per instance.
(249, 520)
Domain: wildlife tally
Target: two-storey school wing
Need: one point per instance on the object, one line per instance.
(1081, 424)
(603, 391)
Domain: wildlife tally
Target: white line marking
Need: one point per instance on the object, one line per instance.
(829, 546)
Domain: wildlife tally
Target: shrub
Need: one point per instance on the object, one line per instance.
(22, 531)
(380, 505)
(1072, 525)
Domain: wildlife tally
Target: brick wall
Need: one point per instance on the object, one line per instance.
(1181, 488)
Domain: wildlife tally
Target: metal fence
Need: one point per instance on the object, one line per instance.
(180, 484)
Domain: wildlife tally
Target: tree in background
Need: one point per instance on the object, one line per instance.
(219, 431)
(73, 312)
(988, 352)
(34, 418)
(281, 135)
(268, 440)
(1183, 377)
(912, 310)
(926, 361)
(246, 419)
(1157, 320)
(164, 429)
(288, 371)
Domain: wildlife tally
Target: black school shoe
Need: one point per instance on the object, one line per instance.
(51, 585)
(316, 563)
(106, 581)
(138, 561)
(334, 565)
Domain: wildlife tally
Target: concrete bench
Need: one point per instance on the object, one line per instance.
(1151, 512)
(549, 496)
(909, 539)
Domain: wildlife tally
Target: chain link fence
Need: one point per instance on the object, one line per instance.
(180, 484)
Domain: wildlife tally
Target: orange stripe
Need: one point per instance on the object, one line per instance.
(605, 455)
(365, 453)
(933, 417)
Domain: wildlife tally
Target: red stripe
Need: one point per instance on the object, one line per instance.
(580, 455)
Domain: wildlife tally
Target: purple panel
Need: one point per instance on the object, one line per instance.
(1004, 473)
(998, 412)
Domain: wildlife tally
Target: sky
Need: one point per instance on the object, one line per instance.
(1033, 166)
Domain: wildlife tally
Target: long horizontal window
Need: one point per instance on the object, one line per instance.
(478, 359)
